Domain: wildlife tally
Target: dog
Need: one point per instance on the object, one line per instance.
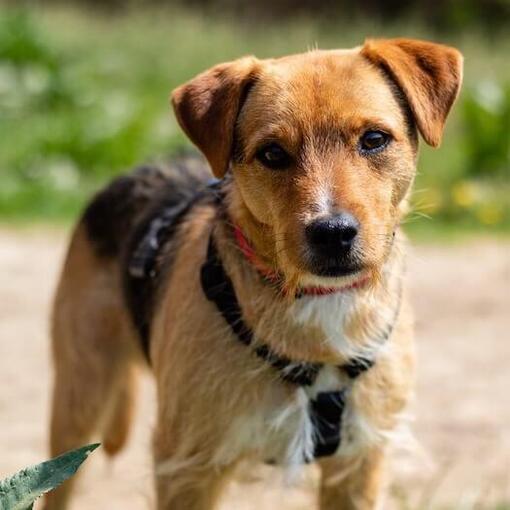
(269, 302)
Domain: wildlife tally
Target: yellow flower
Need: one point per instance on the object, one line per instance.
(464, 194)
(490, 214)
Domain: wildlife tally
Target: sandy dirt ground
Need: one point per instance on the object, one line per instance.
(461, 414)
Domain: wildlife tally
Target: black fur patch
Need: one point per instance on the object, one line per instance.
(110, 217)
(118, 218)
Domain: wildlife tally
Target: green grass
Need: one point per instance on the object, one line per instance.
(84, 97)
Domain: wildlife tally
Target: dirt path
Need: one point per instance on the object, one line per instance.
(461, 414)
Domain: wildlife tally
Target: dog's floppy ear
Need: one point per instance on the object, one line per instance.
(428, 74)
(207, 108)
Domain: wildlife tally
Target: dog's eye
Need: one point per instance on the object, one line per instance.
(274, 157)
(374, 140)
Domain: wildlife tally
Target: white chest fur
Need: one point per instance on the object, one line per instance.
(282, 431)
(329, 314)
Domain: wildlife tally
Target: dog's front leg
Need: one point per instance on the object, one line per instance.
(354, 484)
(189, 490)
(186, 477)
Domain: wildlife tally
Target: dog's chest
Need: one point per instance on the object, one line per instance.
(318, 416)
(282, 429)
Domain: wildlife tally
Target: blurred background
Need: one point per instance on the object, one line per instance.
(84, 89)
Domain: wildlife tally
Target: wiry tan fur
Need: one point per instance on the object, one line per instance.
(218, 404)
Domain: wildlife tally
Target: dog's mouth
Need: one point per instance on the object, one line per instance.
(333, 265)
(336, 270)
(341, 271)
(333, 271)
(336, 278)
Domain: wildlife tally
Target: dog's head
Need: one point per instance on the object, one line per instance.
(322, 147)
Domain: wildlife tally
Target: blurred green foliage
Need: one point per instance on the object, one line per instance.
(438, 15)
(85, 96)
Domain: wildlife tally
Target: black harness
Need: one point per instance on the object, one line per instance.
(326, 409)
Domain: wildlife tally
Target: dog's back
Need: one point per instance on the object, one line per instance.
(112, 216)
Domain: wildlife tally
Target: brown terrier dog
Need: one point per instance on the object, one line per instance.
(270, 304)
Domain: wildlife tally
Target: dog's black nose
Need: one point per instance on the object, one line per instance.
(333, 235)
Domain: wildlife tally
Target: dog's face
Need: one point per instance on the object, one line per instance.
(322, 146)
(324, 155)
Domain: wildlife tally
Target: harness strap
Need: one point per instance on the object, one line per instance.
(144, 258)
(144, 263)
(326, 412)
(219, 289)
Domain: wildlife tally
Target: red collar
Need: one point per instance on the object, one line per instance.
(275, 277)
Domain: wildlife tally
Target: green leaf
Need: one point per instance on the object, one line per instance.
(21, 490)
